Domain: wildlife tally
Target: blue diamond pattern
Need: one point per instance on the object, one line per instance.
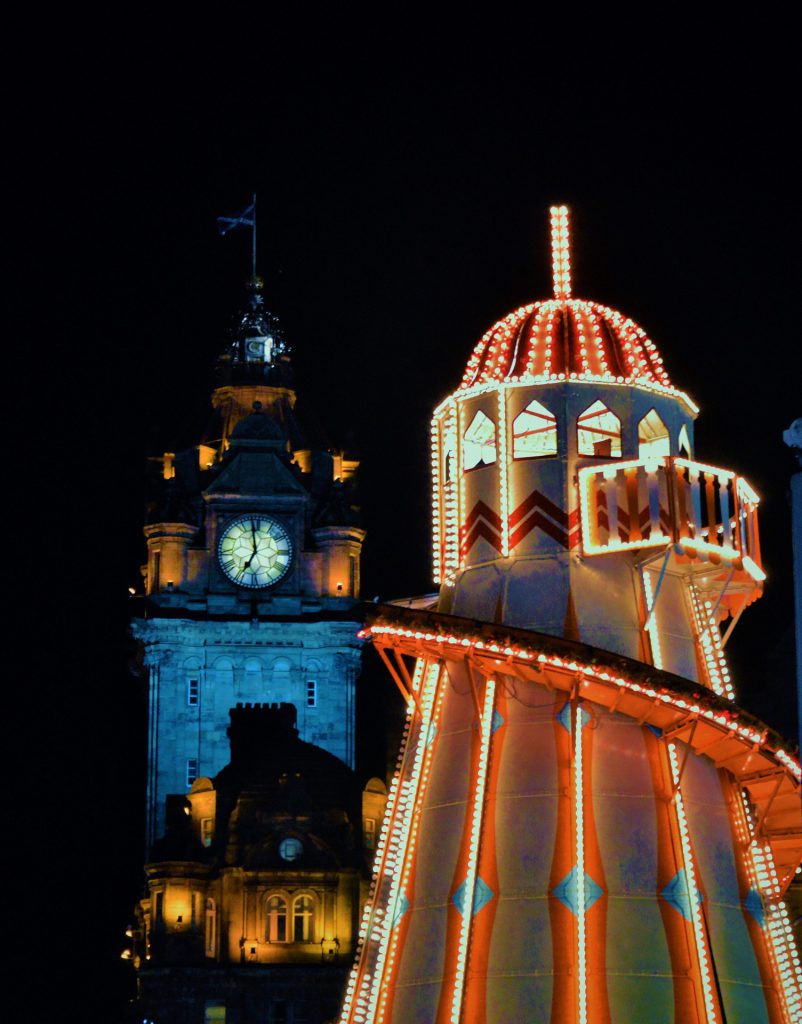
(430, 735)
(564, 716)
(655, 729)
(498, 720)
(401, 907)
(677, 893)
(482, 895)
(754, 904)
(565, 891)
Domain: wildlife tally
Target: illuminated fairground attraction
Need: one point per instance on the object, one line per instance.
(583, 825)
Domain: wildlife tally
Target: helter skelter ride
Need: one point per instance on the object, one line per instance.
(583, 825)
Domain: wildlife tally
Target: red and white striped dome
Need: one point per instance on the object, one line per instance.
(566, 339)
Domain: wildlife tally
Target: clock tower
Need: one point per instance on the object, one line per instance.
(252, 577)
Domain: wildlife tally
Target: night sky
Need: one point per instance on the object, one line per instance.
(401, 212)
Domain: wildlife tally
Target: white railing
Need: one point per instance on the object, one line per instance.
(708, 513)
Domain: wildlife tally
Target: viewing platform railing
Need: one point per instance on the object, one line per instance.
(708, 514)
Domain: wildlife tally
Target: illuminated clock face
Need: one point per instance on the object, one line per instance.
(254, 551)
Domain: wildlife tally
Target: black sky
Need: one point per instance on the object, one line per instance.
(402, 209)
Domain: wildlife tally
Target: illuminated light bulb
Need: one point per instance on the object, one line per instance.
(485, 726)
(690, 874)
(560, 253)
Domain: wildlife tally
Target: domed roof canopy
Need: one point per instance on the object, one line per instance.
(567, 339)
(258, 426)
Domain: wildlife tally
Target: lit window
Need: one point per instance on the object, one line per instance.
(302, 919)
(276, 919)
(311, 693)
(653, 439)
(684, 443)
(290, 848)
(534, 433)
(369, 832)
(207, 831)
(599, 432)
(192, 770)
(211, 928)
(214, 1012)
(193, 691)
(479, 443)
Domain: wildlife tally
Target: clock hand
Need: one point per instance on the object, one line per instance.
(247, 565)
(253, 541)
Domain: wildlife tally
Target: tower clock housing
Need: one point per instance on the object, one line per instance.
(251, 584)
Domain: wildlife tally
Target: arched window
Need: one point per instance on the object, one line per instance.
(599, 432)
(534, 433)
(280, 672)
(210, 934)
(276, 919)
(253, 674)
(302, 919)
(653, 439)
(479, 443)
(684, 442)
(224, 670)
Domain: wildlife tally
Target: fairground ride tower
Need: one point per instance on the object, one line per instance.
(584, 827)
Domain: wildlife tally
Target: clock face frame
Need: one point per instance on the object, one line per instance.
(254, 551)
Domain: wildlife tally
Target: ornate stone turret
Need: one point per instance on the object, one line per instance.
(255, 367)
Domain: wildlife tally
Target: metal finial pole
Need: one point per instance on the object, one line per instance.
(560, 252)
(253, 241)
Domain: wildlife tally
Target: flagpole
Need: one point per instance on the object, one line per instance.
(253, 241)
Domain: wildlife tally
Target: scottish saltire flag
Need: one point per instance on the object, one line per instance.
(243, 219)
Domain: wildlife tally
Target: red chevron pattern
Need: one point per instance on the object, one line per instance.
(482, 521)
(539, 511)
(536, 511)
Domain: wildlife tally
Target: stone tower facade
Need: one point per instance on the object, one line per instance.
(252, 575)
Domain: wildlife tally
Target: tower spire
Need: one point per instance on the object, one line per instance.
(560, 252)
